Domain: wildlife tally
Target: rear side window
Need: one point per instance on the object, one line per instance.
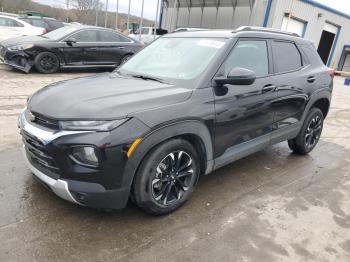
(286, 56)
(249, 54)
(85, 36)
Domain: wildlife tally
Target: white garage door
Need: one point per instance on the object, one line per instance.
(293, 26)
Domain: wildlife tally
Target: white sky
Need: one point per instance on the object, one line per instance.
(150, 6)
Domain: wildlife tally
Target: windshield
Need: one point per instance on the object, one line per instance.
(174, 58)
(60, 32)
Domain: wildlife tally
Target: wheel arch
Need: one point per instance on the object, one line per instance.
(193, 131)
(321, 100)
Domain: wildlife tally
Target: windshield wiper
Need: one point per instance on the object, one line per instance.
(145, 77)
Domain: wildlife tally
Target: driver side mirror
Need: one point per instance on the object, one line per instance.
(70, 41)
(237, 76)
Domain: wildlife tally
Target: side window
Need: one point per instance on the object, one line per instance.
(286, 56)
(106, 36)
(249, 54)
(86, 36)
(3, 21)
(9, 22)
(124, 39)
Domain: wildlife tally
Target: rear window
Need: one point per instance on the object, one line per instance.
(54, 24)
(39, 23)
(286, 56)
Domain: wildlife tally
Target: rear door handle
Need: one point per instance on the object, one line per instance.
(268, 88)
(311, 79)
(121, 47)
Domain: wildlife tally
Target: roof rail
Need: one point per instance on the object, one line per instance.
(264, 29)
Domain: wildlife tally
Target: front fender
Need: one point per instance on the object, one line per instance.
(156, 136)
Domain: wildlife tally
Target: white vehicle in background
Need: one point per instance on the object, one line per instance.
(147, 34)
(188, 29)
(13, 27)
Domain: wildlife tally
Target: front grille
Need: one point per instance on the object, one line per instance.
(37, 152)
(45, 121)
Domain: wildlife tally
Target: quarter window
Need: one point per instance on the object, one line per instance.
(286, 56)
(106, 36)
(250, 55)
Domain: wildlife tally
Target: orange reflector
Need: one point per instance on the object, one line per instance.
(133, 146)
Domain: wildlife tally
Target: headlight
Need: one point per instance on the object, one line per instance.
(20, 47)
(84, 155)
(103, 125)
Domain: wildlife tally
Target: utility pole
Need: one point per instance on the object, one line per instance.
(116, 15)
(96, 15)
(67, 11)
(141, 20)
(106, 13)
(155, 21)
(128, 21)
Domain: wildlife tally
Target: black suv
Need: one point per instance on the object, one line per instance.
(185, 105)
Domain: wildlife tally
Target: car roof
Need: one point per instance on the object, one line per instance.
(241, 32)
(8, 16)
(80, 27)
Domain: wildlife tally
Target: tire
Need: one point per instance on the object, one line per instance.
(162, 183)
(46, 63)
(125, 59)
(309, 133)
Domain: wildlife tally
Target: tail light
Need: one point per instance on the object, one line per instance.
(331, 72)
(44, 31)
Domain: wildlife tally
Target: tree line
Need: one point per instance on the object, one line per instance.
(90, 12)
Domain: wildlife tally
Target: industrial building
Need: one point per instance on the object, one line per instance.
(328, 28)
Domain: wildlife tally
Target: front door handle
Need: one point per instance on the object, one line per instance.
(121, 47)
(268, 88)
(311, 79)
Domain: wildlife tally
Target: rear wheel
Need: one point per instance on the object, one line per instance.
(46, 63)
(309, 134)
(166, 177)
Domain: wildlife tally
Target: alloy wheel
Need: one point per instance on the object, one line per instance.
(173, 177)
(48, 62)
(313, 131)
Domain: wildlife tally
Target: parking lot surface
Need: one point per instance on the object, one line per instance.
(270, 206)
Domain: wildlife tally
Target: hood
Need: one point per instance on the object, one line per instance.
(104, 96)
(25, 40)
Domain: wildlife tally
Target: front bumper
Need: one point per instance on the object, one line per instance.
(73, 187)
(16, 59)
(59, 187)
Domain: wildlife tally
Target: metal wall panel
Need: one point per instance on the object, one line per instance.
(316, 19)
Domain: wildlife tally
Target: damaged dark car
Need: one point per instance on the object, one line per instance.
(68, 47)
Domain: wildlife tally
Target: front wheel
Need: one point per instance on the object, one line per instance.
(125, 59)
(166, 177)
(309, 134)
(46, 63)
